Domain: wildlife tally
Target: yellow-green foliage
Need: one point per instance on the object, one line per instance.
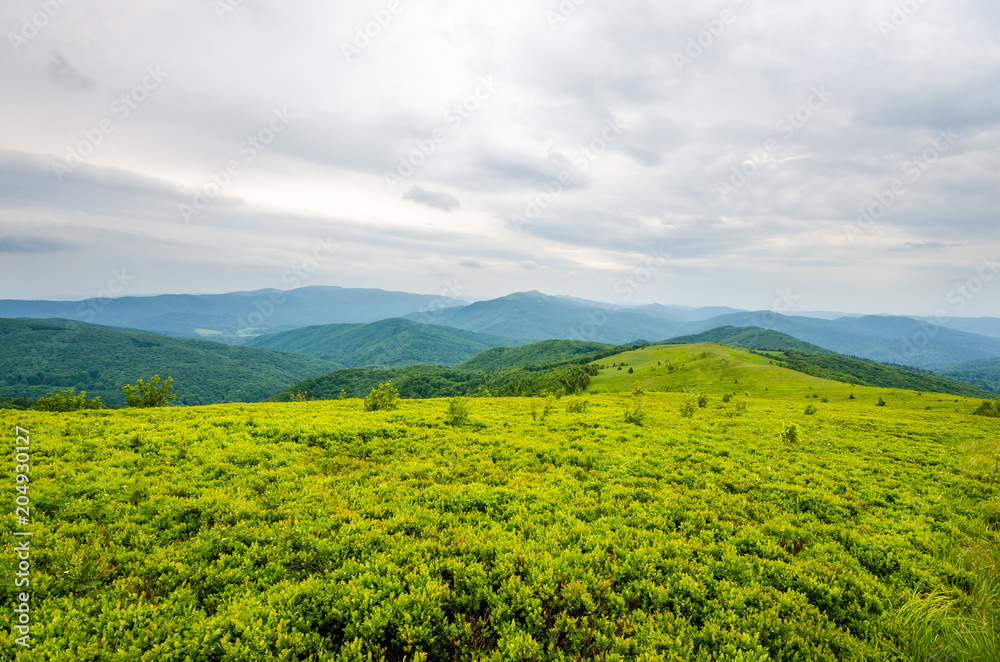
(319, 531)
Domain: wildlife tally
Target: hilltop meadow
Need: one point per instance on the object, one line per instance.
(707, 505)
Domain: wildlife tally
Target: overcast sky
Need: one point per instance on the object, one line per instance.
(700, 153)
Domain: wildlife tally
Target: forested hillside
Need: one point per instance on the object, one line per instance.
(41, 356)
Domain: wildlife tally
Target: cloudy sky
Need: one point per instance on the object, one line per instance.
(719, 152)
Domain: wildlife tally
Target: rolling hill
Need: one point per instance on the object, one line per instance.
(883, 338)
(390, 343)
(721, 369)
(41, 356)
(887, 339)
(232, 317)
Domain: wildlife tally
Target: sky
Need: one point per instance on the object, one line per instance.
(750, 153)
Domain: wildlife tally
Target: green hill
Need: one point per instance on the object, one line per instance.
(539, 353)
(40, 356)
(720, 369)
(751, 337)
(870, 373)
(386, 344)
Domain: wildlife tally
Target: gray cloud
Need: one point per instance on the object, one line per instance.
(64, 72)
(684, 130)
(437, 199)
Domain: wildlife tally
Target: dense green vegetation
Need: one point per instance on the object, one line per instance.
(39, 357)
(424, 381)
(539, 353)
(984, 373)
(390, 343)
(504, 372)
(317, 531)
(751, 337)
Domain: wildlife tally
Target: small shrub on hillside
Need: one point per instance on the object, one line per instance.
(637, 388)
(690, 404)
(576, 406)
(989, 408)
(383, 398)
(548, 405)
(791, 434)
(458, 412)
(630, 371)
(702, 400)
(298, 396)
(66, 400)
(343, 395)
(727, 397)
(851, 397)
(635, 414)
(810, 410)
(739, 407)
(881, 403)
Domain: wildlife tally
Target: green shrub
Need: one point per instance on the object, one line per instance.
(66, 400)
(881, 403)
(810, 410)
(152, 394)
(458, 412)
(635, 414)
(791, 434)
(576, 406)
(989, 408)
(702, 400)
(383, 398)
(690, 404)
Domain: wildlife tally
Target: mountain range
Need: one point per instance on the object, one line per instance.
(346, 328)
(233, 317)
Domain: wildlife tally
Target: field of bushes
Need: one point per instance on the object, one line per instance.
(611, 527)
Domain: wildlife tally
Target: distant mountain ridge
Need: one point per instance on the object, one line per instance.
(390, 343)
(233, 317)
(521, 317)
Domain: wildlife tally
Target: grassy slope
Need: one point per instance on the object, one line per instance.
(711, 368)
(249, 530)
(389, 343)
(39, 356)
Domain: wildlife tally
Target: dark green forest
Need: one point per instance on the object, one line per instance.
(47, 356)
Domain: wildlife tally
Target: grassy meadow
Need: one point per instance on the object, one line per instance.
(541, 529)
